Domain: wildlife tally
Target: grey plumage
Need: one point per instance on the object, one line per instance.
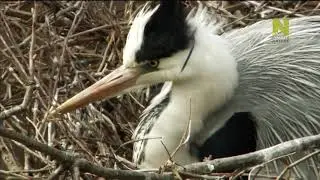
(279, 82)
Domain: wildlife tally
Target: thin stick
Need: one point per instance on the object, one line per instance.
(26, 99)
(296, 163)
(31, 58)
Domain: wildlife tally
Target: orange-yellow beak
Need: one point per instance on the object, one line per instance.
(109, 86)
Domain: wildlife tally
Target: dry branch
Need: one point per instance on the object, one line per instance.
(69, 160)
(218, 165)
(26, 100)
(255, 158)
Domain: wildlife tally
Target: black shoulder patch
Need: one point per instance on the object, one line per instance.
(238, 136)
(165, 33)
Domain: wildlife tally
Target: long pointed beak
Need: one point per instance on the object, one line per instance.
(109, 86)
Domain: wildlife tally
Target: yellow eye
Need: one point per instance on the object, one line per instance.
(153, 63)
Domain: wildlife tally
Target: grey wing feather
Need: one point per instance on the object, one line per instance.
(279, 81)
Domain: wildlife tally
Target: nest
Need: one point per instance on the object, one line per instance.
(51, 50)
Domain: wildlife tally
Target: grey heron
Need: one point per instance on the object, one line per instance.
(245, 70)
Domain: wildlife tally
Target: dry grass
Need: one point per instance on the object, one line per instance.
(62, 47)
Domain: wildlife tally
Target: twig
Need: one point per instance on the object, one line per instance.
(128, 164)
(11, 38)
(46, 168)
(255, 158)
(96, 29)
(75, 171)
(35, 154)
(260, 166)
(276, 9)
(186, 135)
(296, 163)
(167, 150)
(13, 174)
(198, 176)
(18, 13)
(26, 39)
(16, 61)
(56, 173)
(31, 58)
(109, 122)
(135, 140)
(26, 100)
(258, 176)
(106, 51)
(73, 27)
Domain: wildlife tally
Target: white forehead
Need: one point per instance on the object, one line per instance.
(135, 35)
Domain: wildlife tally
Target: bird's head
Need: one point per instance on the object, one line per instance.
(161, 46)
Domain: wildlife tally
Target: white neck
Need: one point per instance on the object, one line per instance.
(213, 78)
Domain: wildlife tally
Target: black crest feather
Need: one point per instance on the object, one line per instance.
(165, 33)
